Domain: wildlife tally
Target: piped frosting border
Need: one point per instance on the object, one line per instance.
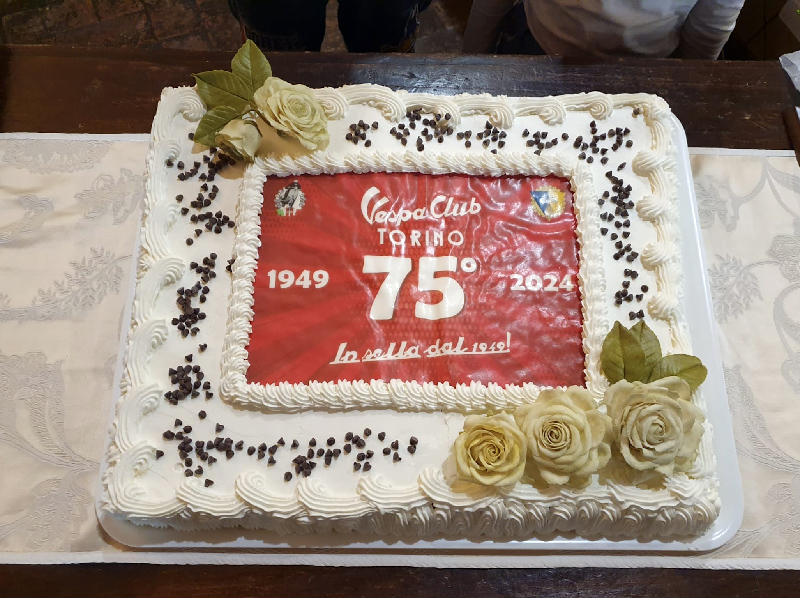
(431, 506)
(655, 163)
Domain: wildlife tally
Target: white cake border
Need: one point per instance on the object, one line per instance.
(655, 163)
(430, 506)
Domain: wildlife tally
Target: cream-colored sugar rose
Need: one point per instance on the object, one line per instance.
(566, 435)
(240, 136)
(656, 426)
(490, 450)
(293, 110)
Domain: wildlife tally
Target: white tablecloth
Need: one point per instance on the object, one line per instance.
(69, 213)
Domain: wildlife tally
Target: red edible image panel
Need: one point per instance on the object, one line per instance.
(440, 278)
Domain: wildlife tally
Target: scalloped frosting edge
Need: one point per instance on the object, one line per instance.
(686, 505)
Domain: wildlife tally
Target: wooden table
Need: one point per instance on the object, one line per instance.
(722, 104)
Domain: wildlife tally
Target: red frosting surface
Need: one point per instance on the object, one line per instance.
(514, 270)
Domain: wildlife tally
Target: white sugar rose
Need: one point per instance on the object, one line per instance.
(566, 435)
(655, 425)
(241, 137)
(294, 111)
(490, 450)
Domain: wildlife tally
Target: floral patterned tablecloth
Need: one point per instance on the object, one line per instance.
(69, 210)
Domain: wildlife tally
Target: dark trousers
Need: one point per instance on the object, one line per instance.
(366, 25)
(515, 37)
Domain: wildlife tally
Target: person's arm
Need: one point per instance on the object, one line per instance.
(708, 27)
(483, 26)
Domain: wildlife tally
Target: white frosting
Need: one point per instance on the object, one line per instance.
(655, 163)
(418, 497)
(397, 394)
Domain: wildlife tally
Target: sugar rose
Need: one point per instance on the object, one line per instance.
(294, 111)
(240, 137)
(490, 450)
(566, 435)
(655, 425)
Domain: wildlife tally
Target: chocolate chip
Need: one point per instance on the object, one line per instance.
(395, 445)
(320, 452)
(208, 483)
(347, 448)
(396, 458)
(287, 477)
(168, 435)
(356, 466)
(251, 450)
(271, 460)
(219, 428)
(331, 441)
(361, 456)
(159, 453)
(367, 466)
(295, 444)
(412, 449)
(188, 473)
(387, 451)
(413, 440)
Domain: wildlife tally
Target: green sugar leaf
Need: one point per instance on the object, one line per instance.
(212, 122)
(221, 88)
(650, 345)
(687, 367)
(622, 357)
(251, 66)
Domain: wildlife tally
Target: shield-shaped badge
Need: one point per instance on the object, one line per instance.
(548, 202)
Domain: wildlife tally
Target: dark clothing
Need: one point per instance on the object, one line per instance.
(366, 25)
(515, 36)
